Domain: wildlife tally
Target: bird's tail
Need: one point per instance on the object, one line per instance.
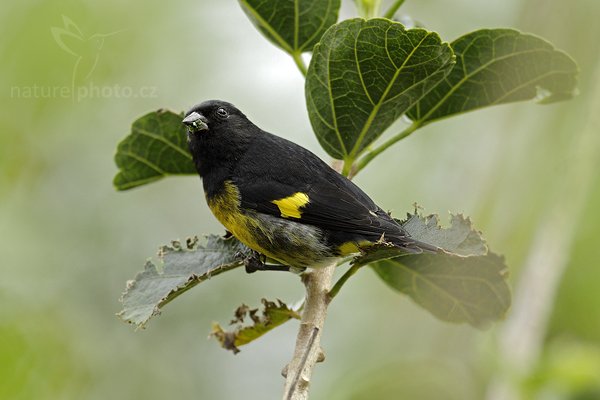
(404, 241)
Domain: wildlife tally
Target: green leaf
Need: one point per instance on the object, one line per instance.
(460, 238)
(273, 315)
(364, 74)
(180, 269)
(453, 288)
(496, 66)
(155, 148)
(293, 25)
(463, 284)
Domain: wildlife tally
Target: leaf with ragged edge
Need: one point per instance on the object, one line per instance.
(293, 25)
(496, 66)
(364, 75)
(181, 268)
(272, 315)
(453, 288)
(155, 148)
(463, 284)
(460, 238)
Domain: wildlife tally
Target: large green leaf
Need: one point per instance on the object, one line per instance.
(272, 315)
(465, 283)
(155, 148)
(180, 269)
(496, 66)
(364, 74)
(293, 25)
(453, 288)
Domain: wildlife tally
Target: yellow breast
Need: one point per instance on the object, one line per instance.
(226, 208)
(277, 237)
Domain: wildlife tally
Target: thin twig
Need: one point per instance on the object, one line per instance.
(310, 346)
(308, 349)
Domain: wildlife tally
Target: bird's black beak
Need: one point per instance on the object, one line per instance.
(195, 122)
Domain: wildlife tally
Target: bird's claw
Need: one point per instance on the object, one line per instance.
(257, 262)
(253, 263)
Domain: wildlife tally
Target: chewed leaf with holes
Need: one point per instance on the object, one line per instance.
(272, 315)
(465, 283)
(155, 148)
(453, 288)
(293, 25)
(459, 238)
(364, 74)
(496, 66)
(180, 269)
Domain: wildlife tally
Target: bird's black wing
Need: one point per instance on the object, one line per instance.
(280, 178)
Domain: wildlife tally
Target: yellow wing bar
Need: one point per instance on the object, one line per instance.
(290, 206)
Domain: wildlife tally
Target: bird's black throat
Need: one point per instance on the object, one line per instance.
(215, 154)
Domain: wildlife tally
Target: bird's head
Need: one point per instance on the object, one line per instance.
(218, 133)
(213, 117)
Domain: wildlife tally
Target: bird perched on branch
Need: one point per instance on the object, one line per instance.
(280, 199)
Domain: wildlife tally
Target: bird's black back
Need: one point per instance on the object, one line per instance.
(274, 168)
(265, 168)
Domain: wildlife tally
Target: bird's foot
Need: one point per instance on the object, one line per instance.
(257, 262)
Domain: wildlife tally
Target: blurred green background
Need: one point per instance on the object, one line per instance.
(526, 174)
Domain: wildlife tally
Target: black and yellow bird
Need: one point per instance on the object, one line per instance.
(280, 199)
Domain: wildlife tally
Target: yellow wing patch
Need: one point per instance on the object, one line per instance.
(348, 248)
(290, 206)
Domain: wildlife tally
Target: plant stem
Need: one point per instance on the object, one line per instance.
(297, 56)
(347, 167)
(393, 8)
(319, 291)
(368, 8)
(338, 285)
(308, 350)
(367, 158)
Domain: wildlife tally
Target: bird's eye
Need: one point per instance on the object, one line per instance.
(221, 112)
